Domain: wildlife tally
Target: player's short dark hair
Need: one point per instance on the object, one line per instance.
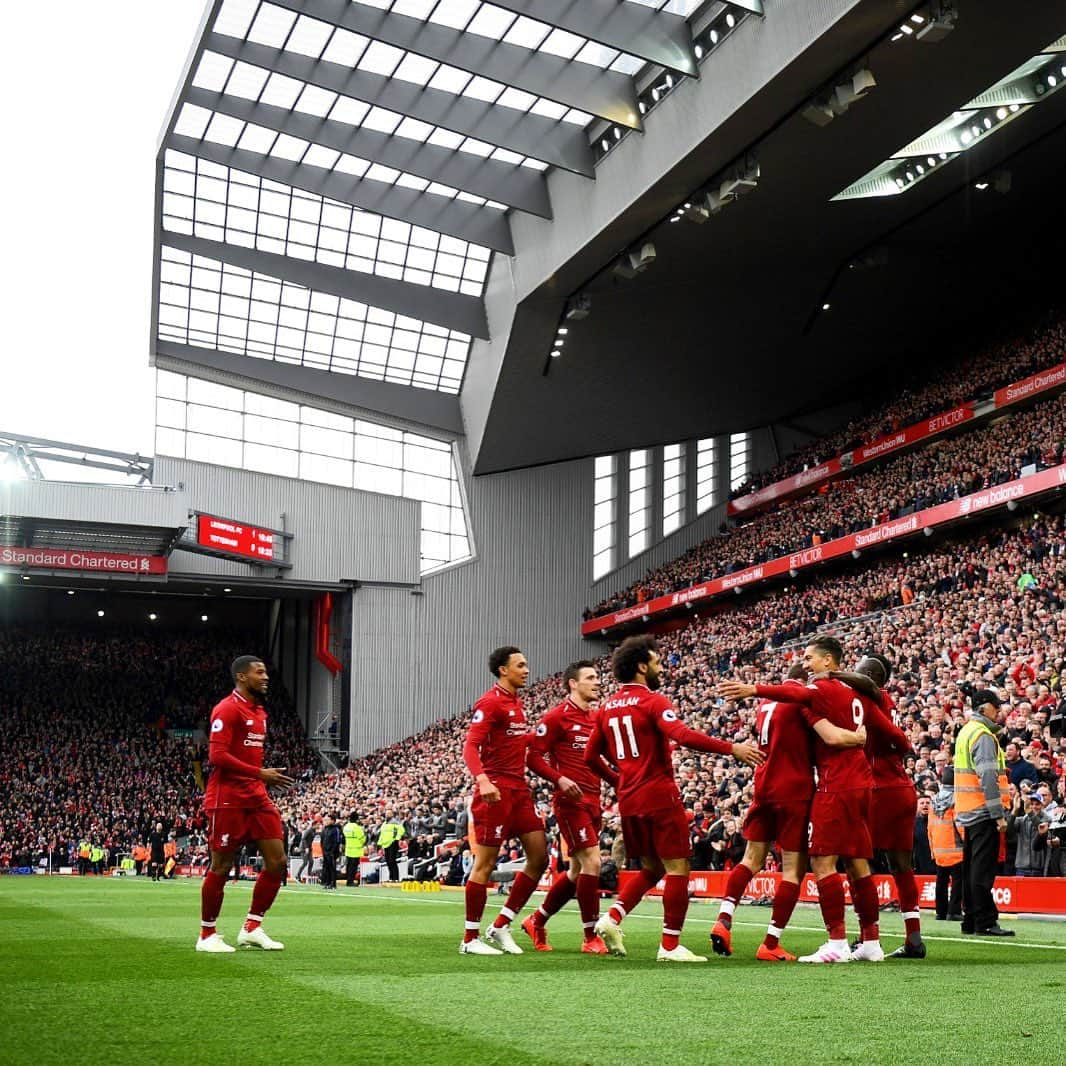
(241, 663)
(828, 645)
(876, 667)
(630, 654)
(797, 672)
(353, 817)
(574, 669)
(501, 657)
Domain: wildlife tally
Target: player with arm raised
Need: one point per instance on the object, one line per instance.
(239, 809)
(780, 811)
(634, 731)
(557, 753)
(895, 801)
(495, 755)
(840, 810)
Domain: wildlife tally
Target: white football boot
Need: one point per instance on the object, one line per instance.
(257, 938)
(500, 935)
(868, 951)
(832, 951)
(214, 945)
(610, 933)
(477, 947)
(678, 954)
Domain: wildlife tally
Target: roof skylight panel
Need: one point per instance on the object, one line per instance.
(235, 17)
(270, 318)
(346, 48)
(309, 37)
(316, 101)
(455, 13)
(246, 81)
(272, 26)
(527, 33)
(212, 72)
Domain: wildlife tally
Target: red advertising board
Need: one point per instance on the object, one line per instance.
(904, 438)
(1021, 390)
(73, 559)
(237, 538)
(1014, 895)
(986, 499)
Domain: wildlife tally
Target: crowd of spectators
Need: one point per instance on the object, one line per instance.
(932, 388)
(1019, 442)
(102, 735)
(986, 611)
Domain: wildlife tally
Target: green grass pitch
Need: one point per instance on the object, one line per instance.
(103, 970)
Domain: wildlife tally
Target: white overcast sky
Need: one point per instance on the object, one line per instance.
(87, 87)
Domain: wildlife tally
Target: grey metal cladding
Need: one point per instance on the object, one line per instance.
(469, 222)
(560, 144)
(656, 36)
(605, 93)
(449, 309)
(517, 186)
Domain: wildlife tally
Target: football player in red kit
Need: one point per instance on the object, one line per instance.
(780, 811)
(895, 802)
(239, 809)
(557, 753)
(495, 755)
(634, 731)
(840, 810)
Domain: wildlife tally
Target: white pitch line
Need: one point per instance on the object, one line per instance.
(418, 898)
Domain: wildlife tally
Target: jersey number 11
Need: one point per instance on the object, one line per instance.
(620, 741)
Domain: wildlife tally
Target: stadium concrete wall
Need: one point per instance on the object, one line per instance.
(339, 534)
(421, 654)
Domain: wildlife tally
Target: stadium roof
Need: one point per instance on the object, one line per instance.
(416, 191)
(335, 176)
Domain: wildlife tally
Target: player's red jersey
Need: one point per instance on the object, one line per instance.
(238, 732)
(558, 747)
(497, 740)
(634, 731)
(886, 746)
(839, 769)
(787, 775)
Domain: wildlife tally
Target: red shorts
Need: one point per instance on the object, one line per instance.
(784, 822)
(660, 835)
(230, 827)
(579, 823)
(892, 817)
(840, 824)
(514, 816)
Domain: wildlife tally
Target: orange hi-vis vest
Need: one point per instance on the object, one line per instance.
(944, 838)
(969, 795)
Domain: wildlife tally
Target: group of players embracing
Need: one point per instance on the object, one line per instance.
(826, 741)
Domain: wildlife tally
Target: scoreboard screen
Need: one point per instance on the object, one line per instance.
(238, 539)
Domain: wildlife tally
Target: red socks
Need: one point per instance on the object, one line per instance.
(831, 901)
(675, 907)
(263, 895)
(521, 890)
(476, 893)
(561, 892)
(739, 879)
(588, 899)
(784, 904)
(907, 890)
(211, 890)
(864, 896)
(632, 894)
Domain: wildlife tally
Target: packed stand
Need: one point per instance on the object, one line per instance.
(86, 752)
(985, 611)
(962, 377)
(1028, 440)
